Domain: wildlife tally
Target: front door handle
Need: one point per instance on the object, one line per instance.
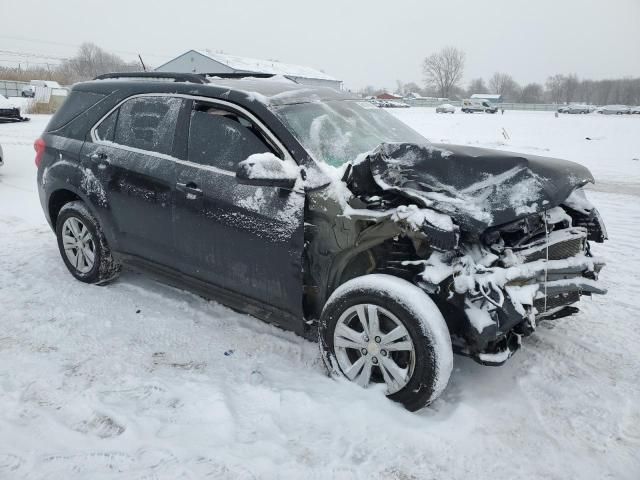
(190, 189)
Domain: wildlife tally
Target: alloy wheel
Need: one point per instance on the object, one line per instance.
(373, 346)
(79, 245)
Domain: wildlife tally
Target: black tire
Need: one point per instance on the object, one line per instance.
(105, 268)
(416, 312)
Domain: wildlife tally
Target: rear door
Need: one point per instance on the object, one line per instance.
(131, 171)
(245, 239)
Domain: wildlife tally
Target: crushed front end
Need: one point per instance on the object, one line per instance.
(516, 248)
(517, 274)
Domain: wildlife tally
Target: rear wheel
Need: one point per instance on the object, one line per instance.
(380, 329)
(82, 245)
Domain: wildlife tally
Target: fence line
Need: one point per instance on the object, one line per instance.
(542, 107)
(10, 88)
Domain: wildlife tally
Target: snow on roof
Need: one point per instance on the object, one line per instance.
(246, 64)
(486, 95)
(387, 95)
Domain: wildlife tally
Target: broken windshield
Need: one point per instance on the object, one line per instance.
(338, 131)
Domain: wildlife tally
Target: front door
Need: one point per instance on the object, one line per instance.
(246, 239)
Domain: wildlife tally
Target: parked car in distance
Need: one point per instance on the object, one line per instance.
(445, 108)
(412, 252)
(614, 110)
(635, 109)
(472, 105)
(393, 104)
(10, 112)
(578, 108)
(53, 87)
(28, 91)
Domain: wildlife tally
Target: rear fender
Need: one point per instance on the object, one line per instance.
(69, 176)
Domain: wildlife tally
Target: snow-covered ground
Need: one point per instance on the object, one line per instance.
(139, 380)
(608, 144)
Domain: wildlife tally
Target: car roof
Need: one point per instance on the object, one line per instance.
(280, 91)
(270, 91)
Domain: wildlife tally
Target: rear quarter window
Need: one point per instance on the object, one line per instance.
(74, 105)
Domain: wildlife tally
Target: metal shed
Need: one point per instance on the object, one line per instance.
(196, 61)
(492, 97)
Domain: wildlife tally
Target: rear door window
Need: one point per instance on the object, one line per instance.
(222, 138)
(146, 123)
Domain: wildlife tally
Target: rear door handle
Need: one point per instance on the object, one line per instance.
(191, 189)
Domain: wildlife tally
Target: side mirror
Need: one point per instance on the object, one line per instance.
(267, 170)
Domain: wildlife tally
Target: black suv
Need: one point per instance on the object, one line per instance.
(322, 214)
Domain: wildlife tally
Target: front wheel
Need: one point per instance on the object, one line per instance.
(380, 329)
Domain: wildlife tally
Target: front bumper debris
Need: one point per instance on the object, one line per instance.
(501, 302)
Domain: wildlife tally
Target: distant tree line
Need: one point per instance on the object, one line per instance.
(89, 62)
(443, 73)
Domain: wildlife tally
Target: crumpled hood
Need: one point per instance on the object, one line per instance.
(477, 187)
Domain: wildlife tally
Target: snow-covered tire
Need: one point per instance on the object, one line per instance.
(395, 302)
(104, 268)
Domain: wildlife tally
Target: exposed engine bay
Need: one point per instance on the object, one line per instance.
(497, 240)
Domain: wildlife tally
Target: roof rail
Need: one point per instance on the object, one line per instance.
(239, 75)
(176, 77)
(184, 77)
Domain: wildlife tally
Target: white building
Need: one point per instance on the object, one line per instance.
(196, 61)
(492, 97)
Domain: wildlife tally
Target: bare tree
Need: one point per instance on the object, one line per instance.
(412, 87)
(443, 70)
(368, 91)
(504, 84)
(570, 87)
(555, 88)
(477, 85)
(532, 93)
(585, 91)
(91, 61)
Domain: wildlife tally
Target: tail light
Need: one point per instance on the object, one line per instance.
(39, 145)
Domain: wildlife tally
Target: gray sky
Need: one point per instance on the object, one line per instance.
(361, 42)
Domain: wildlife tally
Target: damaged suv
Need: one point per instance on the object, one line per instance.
(322, 214)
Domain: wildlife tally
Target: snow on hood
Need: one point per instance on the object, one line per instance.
(477, 187)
